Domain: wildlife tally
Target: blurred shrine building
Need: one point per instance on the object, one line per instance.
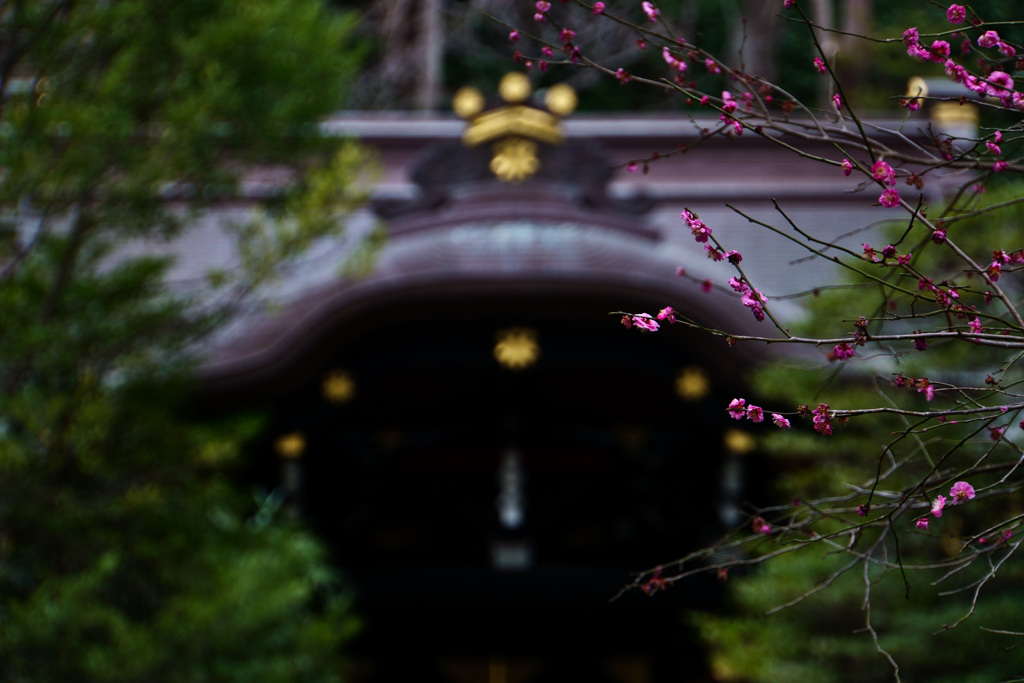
(489, 455)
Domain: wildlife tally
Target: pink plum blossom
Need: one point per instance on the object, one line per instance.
(728, 103)
(755, 414)
(513, 36)
(598, 7)
(780, 421)
(650, 10)
(822, 420)
(939, 51)
(645, 322)
(1000, 166)
(837, 101)
(976, 326)
(890, 198)
(988, 39)
(843, 351)
(737, 408)
(820, 65)
(712, 66)
(667, 314)
(999, 82)
(937, 505)
(676, 64)
(883, 172)
(961, 493)
(760, 526)
(847, 167)
(956, 14)
(754, 300)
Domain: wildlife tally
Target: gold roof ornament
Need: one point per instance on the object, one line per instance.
(515, 128)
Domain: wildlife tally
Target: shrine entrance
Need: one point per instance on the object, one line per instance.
(489, 468)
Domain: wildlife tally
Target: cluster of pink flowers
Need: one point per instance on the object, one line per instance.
(822, 419)
(755, 300)
(642, 321)
(923, 385)
(646, 323)
(700, 231)
(739, 409)
(888, 252)
(1001, 258)
(960, 493)
(677, 64)
(843, 351)
(542, 9)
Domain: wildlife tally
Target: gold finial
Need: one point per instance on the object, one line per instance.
(561, 99)
(514, 87)
(338, 386)
(291, 445)
(468, 102)
(517, 348)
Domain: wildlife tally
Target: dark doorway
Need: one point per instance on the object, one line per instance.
(486, 514)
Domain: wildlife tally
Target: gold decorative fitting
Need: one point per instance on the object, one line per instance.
(561, 99)
(513, 120)
(338, 387)
(517, 348)
(290, 445)
(468, 102)
(738, 443)
(514, 87)
(515, 159)
(692, 383)
(515, 127)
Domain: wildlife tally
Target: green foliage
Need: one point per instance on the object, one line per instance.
(125, 552)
